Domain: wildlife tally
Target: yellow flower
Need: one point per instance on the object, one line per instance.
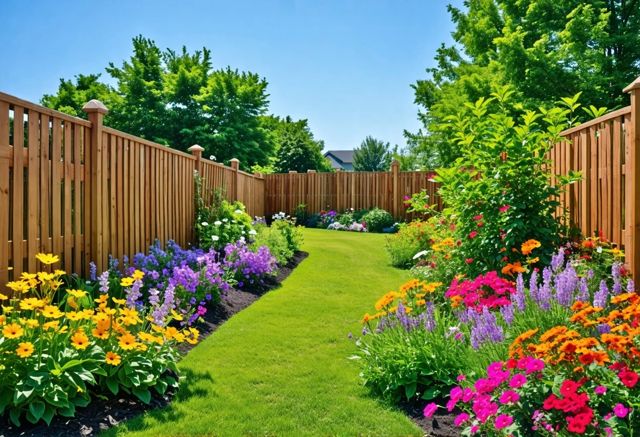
(112, 358)
(127, 341)
(12, 330)
(32, 323)
(51, 325)
(71, 301)
(26, 276)
(31, 303)
(533, 261)
(59, 272)
(176, 316)
(137, 275)
(102, 299)
(100, 332)
(79, 340)
(52, 312)
(47, 258)
(126, 282)
(118, 301)
(45, 277)
(25, 349)
(195, 334)
(3, 297)
(74, 316)
(19, 286)
(77, 293)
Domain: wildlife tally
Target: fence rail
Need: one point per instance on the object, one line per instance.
(343, 190)
(606, 151)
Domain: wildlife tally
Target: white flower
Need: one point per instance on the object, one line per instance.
(217, 223)
(212, 158)
(215, 237)
(420, 254)
(238, 211)
(599, 249)
(252, 232)
(204, 224)
(225, 220)
(243, 232)
(242, 240)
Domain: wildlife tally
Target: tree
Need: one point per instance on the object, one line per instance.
(372, 155)
(296, 148)
(177, 99)
(543, 49)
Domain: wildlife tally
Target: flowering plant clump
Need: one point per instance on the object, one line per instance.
(58, 347)
(413, 295)
(326, 218)
(353, 227)
(246, 266)
(485, 291)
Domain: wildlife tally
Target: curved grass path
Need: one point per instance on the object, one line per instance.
(280, 367)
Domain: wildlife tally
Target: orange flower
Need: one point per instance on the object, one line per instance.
(528, 246)
(79, 340)
(112, 358)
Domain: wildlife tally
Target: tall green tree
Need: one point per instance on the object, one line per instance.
(178, 99)
(542, 49)
(295, 147)
(372, 155)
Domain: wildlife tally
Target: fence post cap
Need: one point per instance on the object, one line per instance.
(196, 148)
(633, 85)
(310, 171)
(395, 163)
(234, 160)
(95, 106)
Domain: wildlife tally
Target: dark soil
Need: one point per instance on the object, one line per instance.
(440, 425)
(103, 413)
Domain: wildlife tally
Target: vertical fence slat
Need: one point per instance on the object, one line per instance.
(18, 190)
(4, 193)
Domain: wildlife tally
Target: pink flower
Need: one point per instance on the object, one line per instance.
(451, 404)
(430, 409)
(600, 390)
(473, 234)
(455, 393)
(468, 260)
(504, 208)
(517, 381)
(509, 397)
(467, 395)
(620, 410)
(503, 420)
(461, 378)
(475, 429)
(478, 217)
(460, 419)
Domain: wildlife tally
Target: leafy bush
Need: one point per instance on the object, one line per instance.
(410, 239)
(499, 189)
(58, 346)
(377, 220)
(287, 227)
(276, 242)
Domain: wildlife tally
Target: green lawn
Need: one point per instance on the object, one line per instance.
(281, 366)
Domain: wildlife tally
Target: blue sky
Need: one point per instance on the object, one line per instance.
(345, 65)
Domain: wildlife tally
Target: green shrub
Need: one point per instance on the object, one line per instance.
(275, 241)
(406, 243)
(377, 219)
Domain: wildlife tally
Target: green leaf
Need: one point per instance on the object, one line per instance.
(37, 408)
(143, 394)
(113, 385)
(14, 416)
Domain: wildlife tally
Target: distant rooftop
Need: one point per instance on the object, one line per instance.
(340, 159)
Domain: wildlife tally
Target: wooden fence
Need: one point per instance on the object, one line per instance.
(606, 151)
(84, 191)
(343, 190)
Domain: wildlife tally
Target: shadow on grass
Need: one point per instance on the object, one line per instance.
(191, 386)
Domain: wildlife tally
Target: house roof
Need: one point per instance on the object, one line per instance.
(343, 156)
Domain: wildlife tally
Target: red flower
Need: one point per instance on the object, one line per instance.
(628, 378)
(504, 208)
(473, 234)
(468, 260)
(478, 217)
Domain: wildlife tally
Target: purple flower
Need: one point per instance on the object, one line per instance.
(557, 260)
(519, 298)
(600, 298)
(507, 314)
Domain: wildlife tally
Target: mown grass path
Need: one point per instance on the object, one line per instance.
(280, 367)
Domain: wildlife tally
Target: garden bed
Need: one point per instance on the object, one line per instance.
(102, 414)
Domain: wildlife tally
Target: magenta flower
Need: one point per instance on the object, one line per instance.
(478, 217)
(430, 409)
(455, 393)
(600, 390)
(461, 378)
(460, 419)
(504, 208)
(473, 234)
(509, 397)
(620, 410)
(502, 421)
(518, 381)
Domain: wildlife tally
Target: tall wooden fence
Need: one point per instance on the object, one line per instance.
(343, 190)
(606, 151)
(84, 191)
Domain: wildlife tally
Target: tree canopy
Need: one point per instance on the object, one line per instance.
(372, 155)
(543, 49)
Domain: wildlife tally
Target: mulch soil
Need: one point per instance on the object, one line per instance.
(104, 413)
(440, 425)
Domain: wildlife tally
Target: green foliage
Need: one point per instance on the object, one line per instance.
(178, 99)
(221, 222)
(399, 364)
(301, 214)
(377, 220)
(499, 190)
(275, 241)
(544, 50)
(295, 147)
(372, 155)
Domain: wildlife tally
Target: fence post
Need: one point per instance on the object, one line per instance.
(235, 166)
(633, 182)
(196, 150)
(395, 169)
(94, 184)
